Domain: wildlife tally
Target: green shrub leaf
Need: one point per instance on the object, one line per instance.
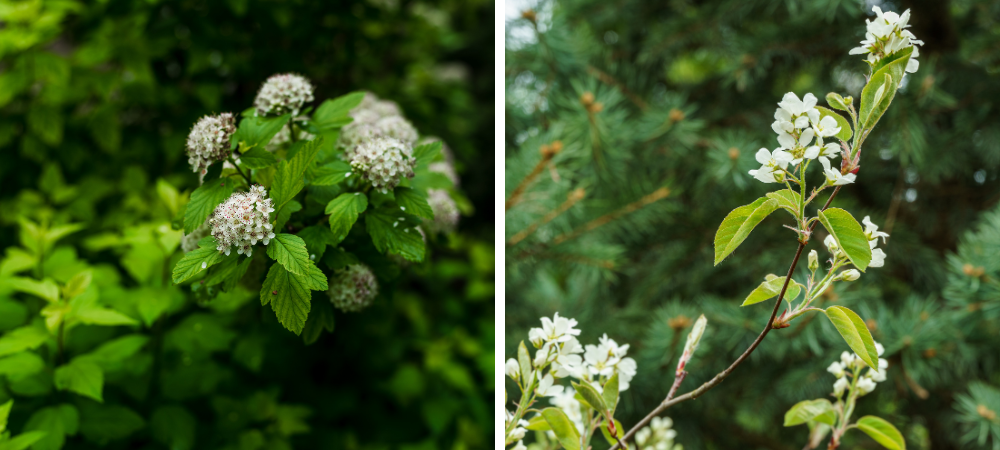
(290, 251)
(81, 376)
(770, 288)
(395, 232)
(888, 73)
(788, 200)
(204, 200)
(332, 173)
(590, 396)
(563, 428)
(820, 410)
(413, 202)
(738, 225)
(290, 176)
(344, 211)
(855, 333)
(883, 432)
(849, 236)
(256, 132)
(289, 294)
(193, 261)
(257, 158)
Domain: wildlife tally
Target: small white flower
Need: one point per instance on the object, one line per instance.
(848, 359)
(242, 220)
(865, 385)
(547, 386)
(558, 329)
(872, 232)
(512, 368)
(836, 368)
(880, 350)
(831, 244)
(887, 35)
(283, 93)
(519, 446)
(791, 103)
(445, 212)
(772, 165)
(537, 337)
(209, 141)
(833, 176)
(839, 386)
(826, 127)
(384, 162)
(849, 275)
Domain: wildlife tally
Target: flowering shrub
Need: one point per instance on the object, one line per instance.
(805, 133)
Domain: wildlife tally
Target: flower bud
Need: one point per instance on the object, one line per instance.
(848, 275)
(353, 288)
(831, 244)
(694, 337)
(840, 386)
(209, 142)
(813, 260)
(512, 368)
(283, 93)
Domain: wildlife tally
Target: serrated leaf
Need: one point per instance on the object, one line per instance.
(258, 131)
(882, 432)
(25, 338)
(820, 410)
(46, 289)
(81, 376)
(610, 393)
(204, 200)
(788, 200)
(849, 236)
(590, 396)
(290, 177)
(321, 318)
(317, 237)
(289, 250)
(395, 233)
(770, 288)
(855, 333)
(285, 213)
(890, 69)
(426, 153)
(344, 211)
(332, 114)
(332, 173)
(563, 428)
(289, 295)
(192, 262)
(56, 422)
(257, 158)
(845, 126)
(738, 224)
(413, 202)
(836, 101)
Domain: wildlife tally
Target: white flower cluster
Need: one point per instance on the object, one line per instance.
(189, 242)
(353, 288)
(516, 433)
(887, 34)
(851, 364)
(384, 162)
(208, 141)
(371, 104)
(872, 233)
(375, 118)
(797, 123)
(659, 435)
(445, 212)
(242, 220)
(283, 93)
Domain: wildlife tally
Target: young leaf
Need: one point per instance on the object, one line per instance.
(788, 200)
(196, 261)
(770, 288)
(820, 410)
(855, 333)
(344, 211)
(331, 114)
(610, 393)
(524, 360)
(849, 236)
(836, 101)
(289, 250)
(332, 173)
(4, 413)
(81, 376)
(93, 314)
(258, 131)
(563, 428)
(257, 158)
(203, 202)
(25, 338)
(289, 296)
(22, 441)
(425, 153)
(396, 233)
(738, 225)
(56, 422)
(883, 432)
(845, 126)
(76, 285)
(413, 202)
(538, 423)
(289, 179)
(46, 289)
(591, 396)
(888, 73)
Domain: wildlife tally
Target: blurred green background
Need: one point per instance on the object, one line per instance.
(686, 93)
(96, 100)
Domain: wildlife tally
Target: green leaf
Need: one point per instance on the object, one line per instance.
(610, 393)
(538, 423)
(204, 200)
(112, 354)
(845, 126)
(289, 250)
(174, 427)
(619, 431)
(855, 333)
(23, 440)
(46, 289)
(395, 232)
(20, 365)
(257, 158)
(320, 318)
(290, 177)
(332, 173)
(289, 297)
(317, 237)
(56, 422)
(76, 285)
(332, 113)
(258, 131)
(836, 101)
(25, 338)
(883, 432)
(524, 360)
(105, 423)
(196, 261)
(888, 73)
(426, 153)
(17, 260)
(770, 288)
(820, 410)
(563, 428)
(413, 202)
(590, 396)
(4, 413)
(344, 211)
(81, 376)
(285, 213)
(738, 225)
(788, 200)
(849, 236)
(97, 315)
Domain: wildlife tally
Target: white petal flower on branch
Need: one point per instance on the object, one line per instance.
(353, 288)
(243, 220)
(547, 386)
(887, 35)
(840, 386)
(836, 369)
(833, 176)
(283, 93)
(772, 165)
(512, 369)
(865, 385)
(384, 162)
(209, 141)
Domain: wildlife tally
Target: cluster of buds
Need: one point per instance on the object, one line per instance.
(242, 220)
(592, 107)
(374, 118)
(659, 435)
(384, 162)
(850, 365)
(283, 93)
(209, 141)
(886, 35)
(445, 212)
(353, 288)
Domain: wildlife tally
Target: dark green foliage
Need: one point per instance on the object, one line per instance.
(686, 94)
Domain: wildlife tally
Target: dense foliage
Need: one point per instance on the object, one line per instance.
(112, 335)
(630, 129)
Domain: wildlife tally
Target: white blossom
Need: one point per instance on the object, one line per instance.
(872, 233)
(556, 329)
(547, 386)
(242, 220)
(840, 386)
(865, 385)
(520, 446)
(445, 212)
(826, 127)
(568, 361)
(353, 288)
(886, 35)
(397, 127)
(283, 93)
(833, 176)
(384, 162)
(849, 275)
(658, 435)
(209, 141)
(772, 166)
(836, 368)
(512, 369)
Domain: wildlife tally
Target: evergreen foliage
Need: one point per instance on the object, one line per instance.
(640, 98)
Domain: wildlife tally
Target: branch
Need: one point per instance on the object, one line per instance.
(548, 151)
(701, 390)
(603, 220)
(571, 200)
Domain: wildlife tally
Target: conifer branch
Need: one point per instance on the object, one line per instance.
(548, 152)
(715, 381)
(609, 80)
(571, 200)
(605, 219)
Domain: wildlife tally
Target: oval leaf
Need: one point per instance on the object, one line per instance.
(788, 200)
(738, 225)
(855, 333)
(836, 101)
(592, 397)
(610, 393)
(892, 69)
(849, 236)
(820, 410)
(883, 432)
(770, 288)
(563, 428)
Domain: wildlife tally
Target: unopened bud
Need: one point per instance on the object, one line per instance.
(813, 260)
(556, 146)
(595, 107)
(694, 337)
(849, 275)
(734, 153)
(676, 115)
(528, 14)
(587, 98)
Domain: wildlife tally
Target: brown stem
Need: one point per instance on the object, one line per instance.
(701, 390)
(608, 79)
(603, 220)
(571, 200)
(677, 383)
(548, 151)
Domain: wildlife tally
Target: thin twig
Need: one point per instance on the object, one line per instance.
(548, 151)
(571, 200)
(603, 220)
(608, 79)
(715, 381)
(677, 383)
(245, 177)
